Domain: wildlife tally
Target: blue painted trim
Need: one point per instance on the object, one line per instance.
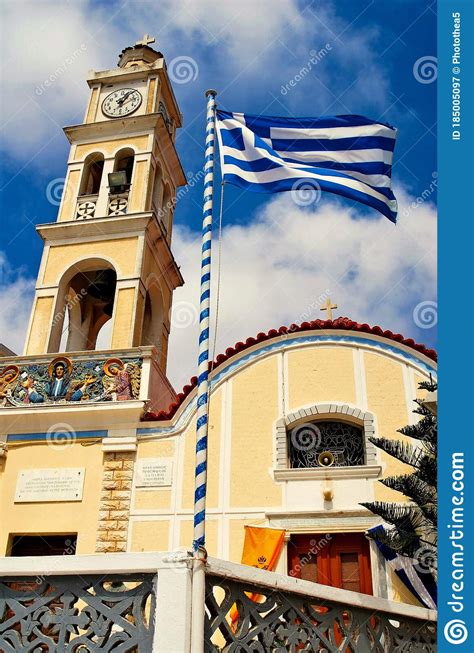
(279, 345)
(80, 435)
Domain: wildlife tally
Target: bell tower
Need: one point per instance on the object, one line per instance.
(107, 262)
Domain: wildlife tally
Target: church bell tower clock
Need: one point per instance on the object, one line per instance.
(107, 262)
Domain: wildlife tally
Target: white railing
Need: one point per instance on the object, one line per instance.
(156, 602)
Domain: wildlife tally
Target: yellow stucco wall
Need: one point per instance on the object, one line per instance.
(121, 251)
(42, 314)
(320, 375)
(124, 310)
(56, 517)
(70, 193)
(150, 535)
(387, 399)
(139, 187)
(255, 408)
(110, 146)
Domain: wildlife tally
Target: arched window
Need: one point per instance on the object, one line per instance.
(92, 174)
(124, 161)
(313, 440)
(326, 443)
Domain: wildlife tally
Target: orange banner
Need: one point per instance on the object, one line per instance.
(262, 548)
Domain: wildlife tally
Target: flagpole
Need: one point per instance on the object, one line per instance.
(204, 314)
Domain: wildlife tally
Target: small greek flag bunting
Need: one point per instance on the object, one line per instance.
(347, 155)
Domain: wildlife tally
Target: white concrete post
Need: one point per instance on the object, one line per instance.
(173, 605)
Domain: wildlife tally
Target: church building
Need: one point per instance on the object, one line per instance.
(97, 448)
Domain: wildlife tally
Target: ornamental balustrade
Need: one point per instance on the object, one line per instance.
(157, 602)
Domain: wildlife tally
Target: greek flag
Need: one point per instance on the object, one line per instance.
(413, 574)
(347, 155)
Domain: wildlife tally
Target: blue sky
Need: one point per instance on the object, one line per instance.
(249, 52)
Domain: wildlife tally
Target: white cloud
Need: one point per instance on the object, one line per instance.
(279, 269)
(16, 294)
(235, 45)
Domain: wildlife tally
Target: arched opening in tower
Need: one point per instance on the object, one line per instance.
(89, 304)
(92, 174)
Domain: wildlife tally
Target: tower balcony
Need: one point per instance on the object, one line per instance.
(107, 387)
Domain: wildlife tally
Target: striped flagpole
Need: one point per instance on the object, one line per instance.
(204, 310)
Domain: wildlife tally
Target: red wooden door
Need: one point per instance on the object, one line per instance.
(343, 560)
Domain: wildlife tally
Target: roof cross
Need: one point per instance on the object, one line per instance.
(328, 307)
(146, 40)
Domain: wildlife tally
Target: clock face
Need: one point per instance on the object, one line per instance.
(121, 103)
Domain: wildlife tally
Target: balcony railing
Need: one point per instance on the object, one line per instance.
(158, 602)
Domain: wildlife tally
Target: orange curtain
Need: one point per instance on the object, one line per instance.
(262, 548)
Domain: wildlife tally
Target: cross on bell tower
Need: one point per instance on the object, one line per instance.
(146, 40)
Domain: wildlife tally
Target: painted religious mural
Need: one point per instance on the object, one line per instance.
(63, 381)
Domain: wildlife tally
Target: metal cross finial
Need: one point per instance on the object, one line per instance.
(146, 40)
(328, 307)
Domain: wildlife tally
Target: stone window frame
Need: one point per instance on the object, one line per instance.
(364, 419)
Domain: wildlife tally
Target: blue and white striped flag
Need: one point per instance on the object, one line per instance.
(415, 575)
(347, 155)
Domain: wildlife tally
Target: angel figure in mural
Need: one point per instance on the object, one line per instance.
(8, 377)
(121, 380)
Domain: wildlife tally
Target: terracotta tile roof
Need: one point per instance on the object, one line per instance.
(342, 323)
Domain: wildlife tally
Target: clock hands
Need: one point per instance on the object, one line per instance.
(124, 97)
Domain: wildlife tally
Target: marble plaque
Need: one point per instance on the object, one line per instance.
(154, 472)
(51, 484)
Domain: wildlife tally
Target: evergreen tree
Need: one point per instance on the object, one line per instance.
(410, 527)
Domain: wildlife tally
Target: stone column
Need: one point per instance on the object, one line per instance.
(116, 492)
